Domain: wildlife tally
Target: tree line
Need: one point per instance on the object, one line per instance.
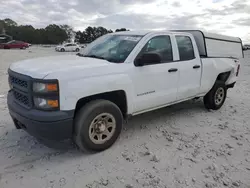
(52, 34)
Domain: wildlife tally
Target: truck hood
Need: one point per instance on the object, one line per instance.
(41, 67)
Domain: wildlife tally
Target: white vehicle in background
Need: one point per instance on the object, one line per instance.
(246, 47)
(87, 96)
(68, 47)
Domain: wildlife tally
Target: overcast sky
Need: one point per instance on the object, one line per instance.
(231, 17)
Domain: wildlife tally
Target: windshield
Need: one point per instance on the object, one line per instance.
(113, 48)
(10, 42)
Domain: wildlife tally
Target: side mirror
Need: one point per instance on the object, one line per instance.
(147, 59)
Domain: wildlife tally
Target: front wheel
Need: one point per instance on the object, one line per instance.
(62, 50)
(77, 49)
(97, 125)
(216, 97)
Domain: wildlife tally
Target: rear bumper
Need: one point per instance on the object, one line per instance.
(54, 125)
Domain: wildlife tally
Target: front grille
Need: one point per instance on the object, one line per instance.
(17, 81)
(20, 86)
(21, 98)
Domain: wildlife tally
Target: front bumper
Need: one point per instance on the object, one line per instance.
(52, 125)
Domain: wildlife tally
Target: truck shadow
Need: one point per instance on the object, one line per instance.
(164, 116)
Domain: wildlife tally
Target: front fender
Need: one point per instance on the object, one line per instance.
(73, 90)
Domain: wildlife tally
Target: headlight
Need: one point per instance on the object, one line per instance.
(46, 95)
(46, 103)
(45, 87)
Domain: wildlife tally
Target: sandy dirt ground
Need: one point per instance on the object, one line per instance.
(182, 146)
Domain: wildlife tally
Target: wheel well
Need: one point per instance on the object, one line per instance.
(223, 76)
(118, 97)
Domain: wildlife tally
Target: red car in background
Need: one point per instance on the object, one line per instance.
(14, 44)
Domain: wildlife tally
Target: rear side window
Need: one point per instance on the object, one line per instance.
(185, 47)
(161, 45)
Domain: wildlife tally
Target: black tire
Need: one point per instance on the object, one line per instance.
(211, 100)
(77, 49)
(62, 50)
(84, 118)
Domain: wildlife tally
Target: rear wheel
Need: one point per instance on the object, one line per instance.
(97, 125)
(216, 97)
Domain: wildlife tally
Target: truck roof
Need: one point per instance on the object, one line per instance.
(143, 32)
(140, 32)
(209, 44)
(206, 34)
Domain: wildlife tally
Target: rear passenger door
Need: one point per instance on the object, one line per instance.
(19, 44)
(15, 44)
(68, 47)
(190, 67)
(73, 47)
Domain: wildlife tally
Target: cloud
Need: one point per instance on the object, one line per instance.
(239, 6)
(176, 4)
(231, 17)
(244, 22)
(138, 1)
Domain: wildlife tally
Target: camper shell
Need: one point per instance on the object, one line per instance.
(211, 45)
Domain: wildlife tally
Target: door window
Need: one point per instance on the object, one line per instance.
(185, 47)
(162, 46)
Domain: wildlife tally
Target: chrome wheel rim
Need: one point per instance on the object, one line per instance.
(219, 96)
(102, 128)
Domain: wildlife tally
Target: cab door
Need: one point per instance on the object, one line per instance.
(155, 84)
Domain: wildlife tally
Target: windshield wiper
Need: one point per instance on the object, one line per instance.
(97, 57)
(79, 54)
(94, 56)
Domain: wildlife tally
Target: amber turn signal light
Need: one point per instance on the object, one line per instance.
(51, 87)
(53, 103)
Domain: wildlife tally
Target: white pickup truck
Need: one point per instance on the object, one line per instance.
(87, 96)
